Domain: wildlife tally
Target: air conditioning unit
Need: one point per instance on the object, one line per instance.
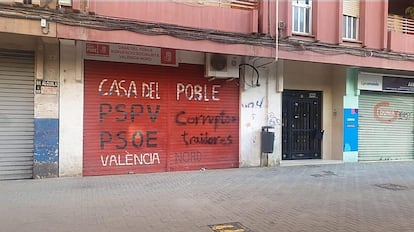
(17, 1)
(65, 2)
(222, 66)
(51, 4)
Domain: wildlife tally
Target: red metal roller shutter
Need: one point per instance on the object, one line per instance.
(135, 124)
(204, 132)
(123, 131)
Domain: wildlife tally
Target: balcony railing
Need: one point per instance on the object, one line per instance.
(240, 4)
(398, 23)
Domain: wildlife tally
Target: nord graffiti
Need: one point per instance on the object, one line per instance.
(187, 157)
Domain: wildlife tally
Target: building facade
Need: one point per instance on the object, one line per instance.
(94, 87)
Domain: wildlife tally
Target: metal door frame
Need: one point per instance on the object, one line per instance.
(309, 137)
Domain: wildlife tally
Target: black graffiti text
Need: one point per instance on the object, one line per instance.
(205, 138)
(124, 113)
(120, 140)
(182, 119)
(253, 104)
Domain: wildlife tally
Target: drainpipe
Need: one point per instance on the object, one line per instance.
(277, 30)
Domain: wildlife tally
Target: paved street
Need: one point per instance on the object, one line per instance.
(336, 197)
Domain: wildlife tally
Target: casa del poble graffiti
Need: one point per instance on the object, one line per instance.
(146, 121)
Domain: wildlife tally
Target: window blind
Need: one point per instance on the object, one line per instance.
(350, 7)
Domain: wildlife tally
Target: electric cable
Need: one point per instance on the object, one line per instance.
(256, 71)
(105, 23)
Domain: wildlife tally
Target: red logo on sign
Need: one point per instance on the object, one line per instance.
(91, 49)
(168, 56)
(382, 114)
(97, 49)
(103, 49)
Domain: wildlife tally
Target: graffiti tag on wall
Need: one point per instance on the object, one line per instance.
(205, 93)
(135, 124)
(126, 139)
(253, 104)
(124, 88)
(385, 113)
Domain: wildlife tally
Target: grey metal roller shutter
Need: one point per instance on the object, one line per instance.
(386, 126)
(16, 114)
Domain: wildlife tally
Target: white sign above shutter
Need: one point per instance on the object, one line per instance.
(367, 81)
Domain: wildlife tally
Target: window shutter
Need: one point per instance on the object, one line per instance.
(350, 7)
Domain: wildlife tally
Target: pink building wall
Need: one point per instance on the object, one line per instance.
(177, 13)
(285, 16)
(326, 28)
(374, 15)
(267, 17)
(327, 24)
(399, 42)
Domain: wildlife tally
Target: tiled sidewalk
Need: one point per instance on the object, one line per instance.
(337, 197)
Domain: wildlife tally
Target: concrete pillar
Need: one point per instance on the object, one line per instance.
(350, 130)
(46, 109)
(71, 108)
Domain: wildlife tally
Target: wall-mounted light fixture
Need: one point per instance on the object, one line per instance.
(44, 25)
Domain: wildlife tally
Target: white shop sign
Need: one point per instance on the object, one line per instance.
(367, 81)
(130, 54)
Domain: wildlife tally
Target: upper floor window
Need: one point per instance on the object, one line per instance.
(302, 16)
(349, 27)
(350, 19)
